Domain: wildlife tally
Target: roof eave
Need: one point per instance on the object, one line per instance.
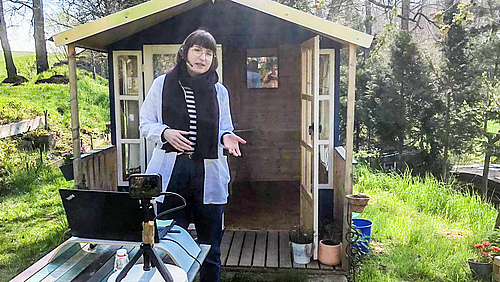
(118, 19)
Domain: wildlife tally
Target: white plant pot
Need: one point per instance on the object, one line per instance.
(302, 253)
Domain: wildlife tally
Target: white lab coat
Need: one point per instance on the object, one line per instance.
(151, 127)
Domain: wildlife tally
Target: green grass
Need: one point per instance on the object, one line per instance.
(32, 220)
(25, 64)
(424, 230)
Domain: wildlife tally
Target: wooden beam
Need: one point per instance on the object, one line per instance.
(349, 145)
(75, 122)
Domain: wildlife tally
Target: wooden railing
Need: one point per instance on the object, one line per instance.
(99, 169)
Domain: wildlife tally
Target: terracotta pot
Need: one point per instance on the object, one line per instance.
(329, 254)
(357, 202)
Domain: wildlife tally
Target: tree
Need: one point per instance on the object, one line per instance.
(36, 6)
(39, 34)
(485, 49)
(459, 86)
(11, 68)
(405, 119)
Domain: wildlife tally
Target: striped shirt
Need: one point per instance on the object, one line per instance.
(191, 108)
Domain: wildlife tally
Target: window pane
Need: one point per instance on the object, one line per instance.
(131, 160)
(324, 74)
(262, 72)
(128, 77)
(163, 63)
(129, 117)
(324, 118)
(324, 165)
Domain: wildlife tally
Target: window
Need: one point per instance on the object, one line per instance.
(262, 68)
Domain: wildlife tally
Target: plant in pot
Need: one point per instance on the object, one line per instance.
(67, 165)
(482, 265)
(358, 202)
(301, 238)
(330, 247)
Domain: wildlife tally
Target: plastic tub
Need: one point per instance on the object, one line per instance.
(364, 227)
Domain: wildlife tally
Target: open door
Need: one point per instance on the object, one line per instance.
(309, 137)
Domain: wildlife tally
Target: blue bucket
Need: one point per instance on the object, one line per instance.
(364, 227)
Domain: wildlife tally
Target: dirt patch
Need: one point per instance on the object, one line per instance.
(57, 79)
(263, 206)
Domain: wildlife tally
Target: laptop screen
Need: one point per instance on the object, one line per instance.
(104, 215)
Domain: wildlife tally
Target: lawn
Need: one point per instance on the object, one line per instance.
(32, 220)
(423, 229)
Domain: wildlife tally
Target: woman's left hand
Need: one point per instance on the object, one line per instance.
(231, 143)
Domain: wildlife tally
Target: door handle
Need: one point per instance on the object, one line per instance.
(311, 129)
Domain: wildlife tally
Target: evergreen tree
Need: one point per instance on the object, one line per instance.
(406, 119)
(459, 91)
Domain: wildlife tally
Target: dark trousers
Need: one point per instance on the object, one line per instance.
(187, 180)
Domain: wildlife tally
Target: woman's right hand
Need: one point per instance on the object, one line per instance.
(177, 140)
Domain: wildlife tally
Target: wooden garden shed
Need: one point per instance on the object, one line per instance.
(290, 116)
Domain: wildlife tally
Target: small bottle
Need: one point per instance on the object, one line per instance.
(121, 259)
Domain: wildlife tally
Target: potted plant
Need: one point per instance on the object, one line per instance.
(67, 165)
(482, 265)
(301, 238)
(358, 202)
(330, 247)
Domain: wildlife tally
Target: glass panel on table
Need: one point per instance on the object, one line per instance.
(129, 118)
(131, 160)
(128, 75)
(324, 118)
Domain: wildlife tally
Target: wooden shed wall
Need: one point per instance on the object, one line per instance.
(272, 117)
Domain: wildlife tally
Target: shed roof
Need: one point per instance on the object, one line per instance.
(100, 33)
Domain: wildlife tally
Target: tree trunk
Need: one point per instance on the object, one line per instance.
(368, 18)
(447, 136)
(405, 13)
(40, 46)
(9, 62)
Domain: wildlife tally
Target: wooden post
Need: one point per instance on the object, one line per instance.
(75, 122)
(349, 146)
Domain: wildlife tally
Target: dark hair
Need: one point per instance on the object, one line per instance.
(202, 38)
(253, 65)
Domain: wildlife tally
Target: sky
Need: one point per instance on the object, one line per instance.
(20, 31)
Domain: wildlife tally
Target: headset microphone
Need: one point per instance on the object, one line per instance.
(189, 63)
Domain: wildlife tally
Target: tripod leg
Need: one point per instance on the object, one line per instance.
(129, 265)
(147, 261)
(156, 261)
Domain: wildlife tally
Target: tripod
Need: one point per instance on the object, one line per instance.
(151, 258)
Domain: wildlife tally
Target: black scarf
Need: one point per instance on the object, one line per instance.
(174, 109)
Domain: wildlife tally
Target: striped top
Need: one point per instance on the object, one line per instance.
(191, 108)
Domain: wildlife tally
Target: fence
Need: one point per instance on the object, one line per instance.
(99, 169)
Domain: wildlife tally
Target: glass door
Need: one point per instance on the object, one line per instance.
(310, 130)
(128, 92)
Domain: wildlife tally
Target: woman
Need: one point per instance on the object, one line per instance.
(186, 113)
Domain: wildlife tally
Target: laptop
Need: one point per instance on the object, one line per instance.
(104, 215)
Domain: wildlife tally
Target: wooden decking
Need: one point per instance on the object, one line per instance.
(264, 249)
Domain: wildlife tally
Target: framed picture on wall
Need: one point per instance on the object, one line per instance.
(262, 68)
